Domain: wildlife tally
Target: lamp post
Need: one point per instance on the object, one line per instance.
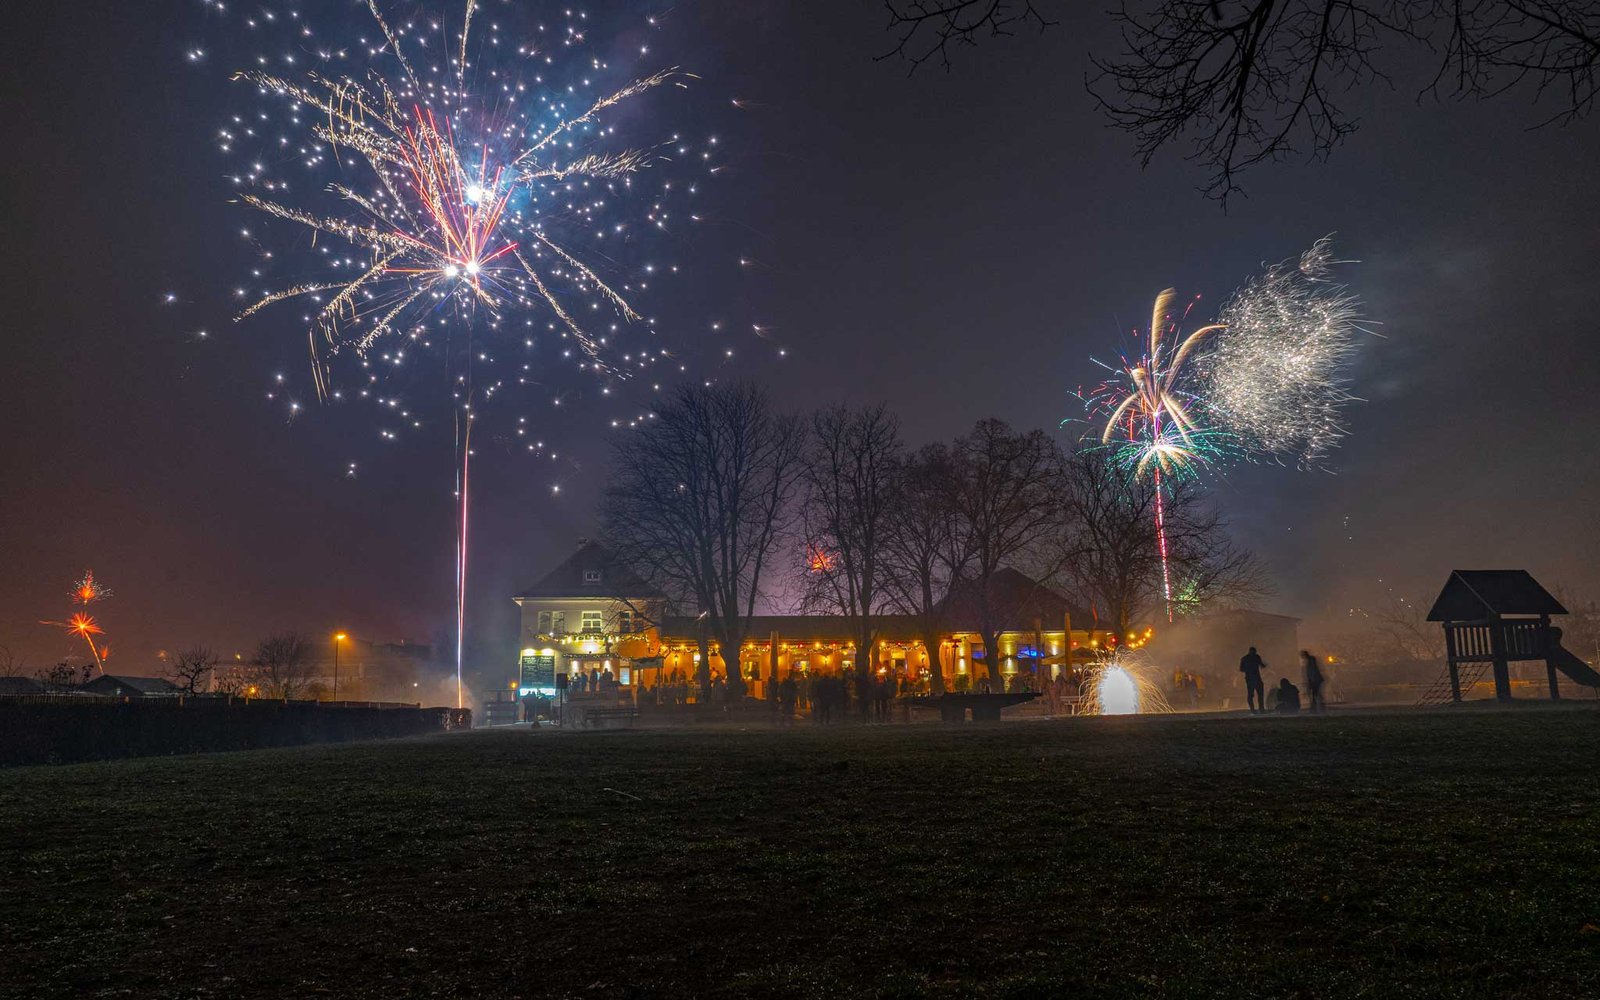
(338, 638)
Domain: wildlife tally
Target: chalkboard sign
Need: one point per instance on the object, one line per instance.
(538, 671)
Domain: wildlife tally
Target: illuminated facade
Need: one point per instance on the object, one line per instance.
(588, 615)
(592, 616)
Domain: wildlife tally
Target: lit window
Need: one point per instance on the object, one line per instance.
(592, 622)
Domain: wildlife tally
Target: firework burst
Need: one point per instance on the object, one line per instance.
(1267, 379)
(1151, 421)
(85, 592)
(1124, 685)
(1276, 381)
(457, 186)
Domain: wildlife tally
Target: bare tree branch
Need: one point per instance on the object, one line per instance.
(191, 669)
(1252, 81)
(926, 29)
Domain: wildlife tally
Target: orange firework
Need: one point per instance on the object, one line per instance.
(84, 625)
(88, 590)
(85, 592)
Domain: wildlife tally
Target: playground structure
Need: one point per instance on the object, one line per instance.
(1493, 617)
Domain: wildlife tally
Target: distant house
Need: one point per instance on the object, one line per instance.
(119, 686)
(13, 686)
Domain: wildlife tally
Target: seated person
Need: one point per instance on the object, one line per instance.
(1288, 698)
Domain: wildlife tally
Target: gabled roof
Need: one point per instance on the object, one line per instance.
(571, 578)
(143, 685)
(19, 685)
(1016, 600)
(1474, 594)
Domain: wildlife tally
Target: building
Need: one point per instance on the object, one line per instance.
(591, 615)
(121, 686)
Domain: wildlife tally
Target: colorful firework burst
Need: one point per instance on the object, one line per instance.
(84, 593)
(1152, 420)
(1267, 379)
(459, 191)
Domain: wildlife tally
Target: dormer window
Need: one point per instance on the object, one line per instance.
(591, 577)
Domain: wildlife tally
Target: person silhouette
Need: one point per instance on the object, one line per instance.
(1250, 665)
(1314, 681)
(1288, 698)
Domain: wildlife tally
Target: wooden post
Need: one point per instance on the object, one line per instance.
(1548, 648)
(1502, 667)
(1450, 653)
(772, 661)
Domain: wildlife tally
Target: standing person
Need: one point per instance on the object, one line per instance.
(1250, 664)
(787, 692)
(1314, 681)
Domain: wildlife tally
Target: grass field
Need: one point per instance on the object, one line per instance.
(1369, 855)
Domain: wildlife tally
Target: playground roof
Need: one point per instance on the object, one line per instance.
(1474, 594)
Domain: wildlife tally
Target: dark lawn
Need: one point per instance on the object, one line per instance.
(1379, 855)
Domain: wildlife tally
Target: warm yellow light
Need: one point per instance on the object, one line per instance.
(338, 637)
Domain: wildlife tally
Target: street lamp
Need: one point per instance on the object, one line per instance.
(338, 637)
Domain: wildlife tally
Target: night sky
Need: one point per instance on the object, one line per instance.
(957, 244)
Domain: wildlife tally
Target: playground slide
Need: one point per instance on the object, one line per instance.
(1568, 663)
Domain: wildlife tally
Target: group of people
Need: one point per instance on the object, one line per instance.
(1286, 696)
(593, 681)
(677, 689)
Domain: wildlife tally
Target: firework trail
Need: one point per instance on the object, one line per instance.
(1151, 422)
(452, 183)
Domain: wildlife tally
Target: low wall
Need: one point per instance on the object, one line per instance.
(59, 730)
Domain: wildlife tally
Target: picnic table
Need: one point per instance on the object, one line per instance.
(984, 707)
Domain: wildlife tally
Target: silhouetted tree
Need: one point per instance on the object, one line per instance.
(1111, 558)
(191, 669)
(283, 663)
(10, 664)
(849, 473)
(927, 547)
(1250, 81)
(699, 500)
(1006, 493)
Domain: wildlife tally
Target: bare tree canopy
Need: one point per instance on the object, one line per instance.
(927, 547)
(1245, 82)
(1112, 559)
(1005, 492)
(191, 668)
(10, 665)
(284, 664)
(850, 470)
(699, 501)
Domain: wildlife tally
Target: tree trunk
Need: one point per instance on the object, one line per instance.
(702, 674)
(934, 649)
(866, 659)
(733, 671)
(991, 656)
